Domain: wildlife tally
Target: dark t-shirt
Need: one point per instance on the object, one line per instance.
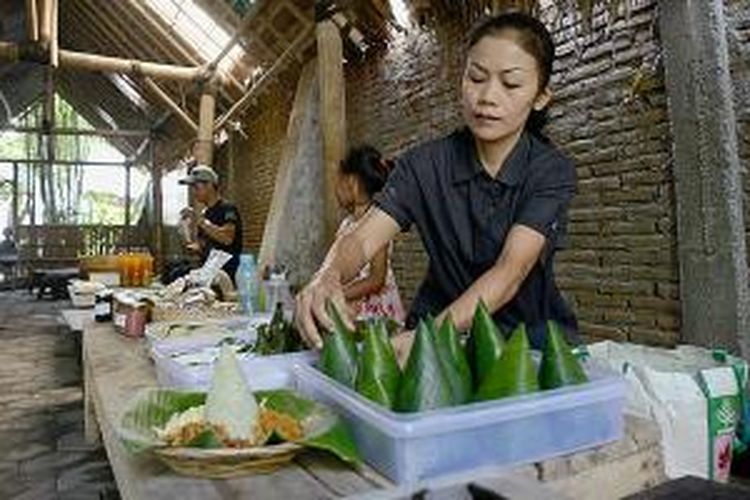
(220, 214)
(464, 215)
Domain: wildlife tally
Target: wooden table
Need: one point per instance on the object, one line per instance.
(115, 367)
(77, 319)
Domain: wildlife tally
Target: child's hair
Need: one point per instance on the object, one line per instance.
(535, 39)
(369, 166)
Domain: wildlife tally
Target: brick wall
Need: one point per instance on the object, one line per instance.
(256, 158)
(620, 272)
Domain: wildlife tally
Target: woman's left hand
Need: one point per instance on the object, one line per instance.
(402, 343)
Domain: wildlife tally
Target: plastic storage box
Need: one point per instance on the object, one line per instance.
(261, 372)
(411, 447)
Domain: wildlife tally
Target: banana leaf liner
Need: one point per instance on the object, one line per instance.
(287, 417)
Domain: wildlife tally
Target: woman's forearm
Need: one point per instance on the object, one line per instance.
(496, 287)
(364, 287)
(499, 284)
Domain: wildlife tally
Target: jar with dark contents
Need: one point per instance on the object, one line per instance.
(103, 306)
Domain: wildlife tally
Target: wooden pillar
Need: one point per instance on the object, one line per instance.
(204, 146)
(14, 201)
(332, 113)
(708, 175)
(128, 169)
(158, 242)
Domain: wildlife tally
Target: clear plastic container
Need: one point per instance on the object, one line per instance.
(408, 448)
(261, 372)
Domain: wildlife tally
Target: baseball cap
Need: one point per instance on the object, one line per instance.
(201, 173)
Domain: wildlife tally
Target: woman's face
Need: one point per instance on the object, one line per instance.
(500, 88)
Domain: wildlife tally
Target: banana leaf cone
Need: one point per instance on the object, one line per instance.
(514, 373)
(423, 384)
(453, 358)
(378, 376)
(559, 365)
(338, 358)
(485, 344)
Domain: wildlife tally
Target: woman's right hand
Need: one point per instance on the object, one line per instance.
(311, 307)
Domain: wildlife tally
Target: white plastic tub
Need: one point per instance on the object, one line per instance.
(261, 372)
(411, 447)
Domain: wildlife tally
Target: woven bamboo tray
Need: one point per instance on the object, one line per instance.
(227, 462)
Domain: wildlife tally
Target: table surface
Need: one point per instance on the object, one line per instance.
(115, 367)
(77, 319)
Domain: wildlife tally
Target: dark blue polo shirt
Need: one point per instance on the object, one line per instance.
(463, 216)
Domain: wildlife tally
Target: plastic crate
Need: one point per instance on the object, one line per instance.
(408, 448)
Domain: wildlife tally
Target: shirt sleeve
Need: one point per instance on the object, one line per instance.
(545, 208)
(400, 196)
(230, 216)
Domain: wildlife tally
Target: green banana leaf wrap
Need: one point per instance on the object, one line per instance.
(423, 384)
(453, 359)
(514, 373)
(485, 345)
(378, 376)
(151, 408)
(559, 366)
(338, 358)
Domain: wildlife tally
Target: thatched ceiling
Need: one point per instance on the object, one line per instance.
(133, 29)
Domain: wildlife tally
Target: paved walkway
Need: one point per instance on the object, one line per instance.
(42, 450)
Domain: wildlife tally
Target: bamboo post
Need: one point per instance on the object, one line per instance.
(332, 113)
(32, 21)
(54, 49)
(45, 21)
(204, 146)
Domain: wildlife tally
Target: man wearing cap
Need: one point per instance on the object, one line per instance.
(219, 224)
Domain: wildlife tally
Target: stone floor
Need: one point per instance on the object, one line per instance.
(43, 454)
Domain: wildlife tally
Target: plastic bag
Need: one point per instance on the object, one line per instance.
(695, 395)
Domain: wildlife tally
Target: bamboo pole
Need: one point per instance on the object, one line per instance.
(240, 104)
(203, 150)
(54, 47)
(42, 161)
(332, 113)
(173, 106)
(108, 64)
(32, 21)
(13, 52)
(77, 132)
(10, 52)
(45, 21)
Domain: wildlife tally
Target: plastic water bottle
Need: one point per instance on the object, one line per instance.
(278, 293)
(247, 287)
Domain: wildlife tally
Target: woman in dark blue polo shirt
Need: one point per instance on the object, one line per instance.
(489, 201)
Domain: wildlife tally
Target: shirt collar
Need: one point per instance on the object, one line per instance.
(469, 165)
